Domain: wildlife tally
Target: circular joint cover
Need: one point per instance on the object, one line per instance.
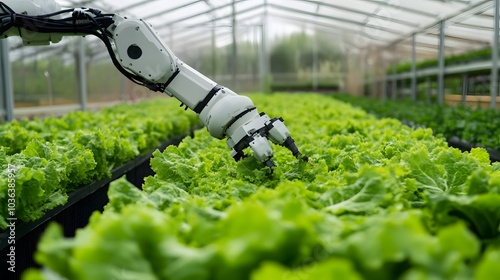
(140, 51)
(134, 51)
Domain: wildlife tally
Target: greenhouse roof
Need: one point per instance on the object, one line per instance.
(359, 24)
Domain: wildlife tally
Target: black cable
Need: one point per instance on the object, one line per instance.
(55, 13)
(136, 79)
(6, 8)
(96, 26)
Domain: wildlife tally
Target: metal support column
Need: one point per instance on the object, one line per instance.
(465, 87)
(315, 66)
(82, 74)
(394, 91)
(441, 63)
(263, 59)
(234, 56)
(6, 91)
(363, 66)
(429, 90)
(264, 65)
(214, 51)
(50, 91)
(385, 86)
(472, 85)
(384, 80)
(494, 57)
(414, 67)
(373, 87)
(214, 44)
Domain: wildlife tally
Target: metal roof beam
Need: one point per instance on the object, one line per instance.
(371, 15)
(134, 5)
(42, 49)
(436, 23)
(332, 26)
(194, 15)
(352, 22)
(222, 17)
(401, 8)
(464, 2)
(163, 12)
(203, 32)
(473, 26)
(457, 38)
(430, 46)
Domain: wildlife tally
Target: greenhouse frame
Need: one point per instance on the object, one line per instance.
(373, 35)
(252, 140)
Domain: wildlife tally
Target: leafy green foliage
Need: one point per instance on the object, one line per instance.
(55, 156)
(380, 201)
(476, 126)
(481, 212)
(330, 269)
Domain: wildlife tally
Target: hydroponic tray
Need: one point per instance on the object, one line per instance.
(466, 146)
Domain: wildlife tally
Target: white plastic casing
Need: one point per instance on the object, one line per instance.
(158, 64)
(261, 148)
(248, 125)
(155, 64)
(189, 86)
(222, 110)
(225, 114)
(33, 8)
(279, 133)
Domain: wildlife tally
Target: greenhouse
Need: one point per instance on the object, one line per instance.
(260, 140)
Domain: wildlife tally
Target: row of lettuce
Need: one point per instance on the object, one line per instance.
(56, 155)
(476, 126)
(379, 200)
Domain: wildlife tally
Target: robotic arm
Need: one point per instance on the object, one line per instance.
(141, 56)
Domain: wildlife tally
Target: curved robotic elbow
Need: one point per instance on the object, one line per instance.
(145, 59)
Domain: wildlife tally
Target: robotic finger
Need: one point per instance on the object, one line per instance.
(256, 135)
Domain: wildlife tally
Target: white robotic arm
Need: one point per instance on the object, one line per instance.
(143, 57)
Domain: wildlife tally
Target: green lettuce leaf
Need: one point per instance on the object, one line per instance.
(443, 170)
(481, 212)
(330, 269)
(489, 266)
(365, 192)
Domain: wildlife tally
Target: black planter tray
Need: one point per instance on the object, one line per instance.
(75, 213)
(466, 146)
(460, 144)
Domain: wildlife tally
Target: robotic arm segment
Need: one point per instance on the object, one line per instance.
(143, 57)
(29, 8)
(140, 51)
(40, 22)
